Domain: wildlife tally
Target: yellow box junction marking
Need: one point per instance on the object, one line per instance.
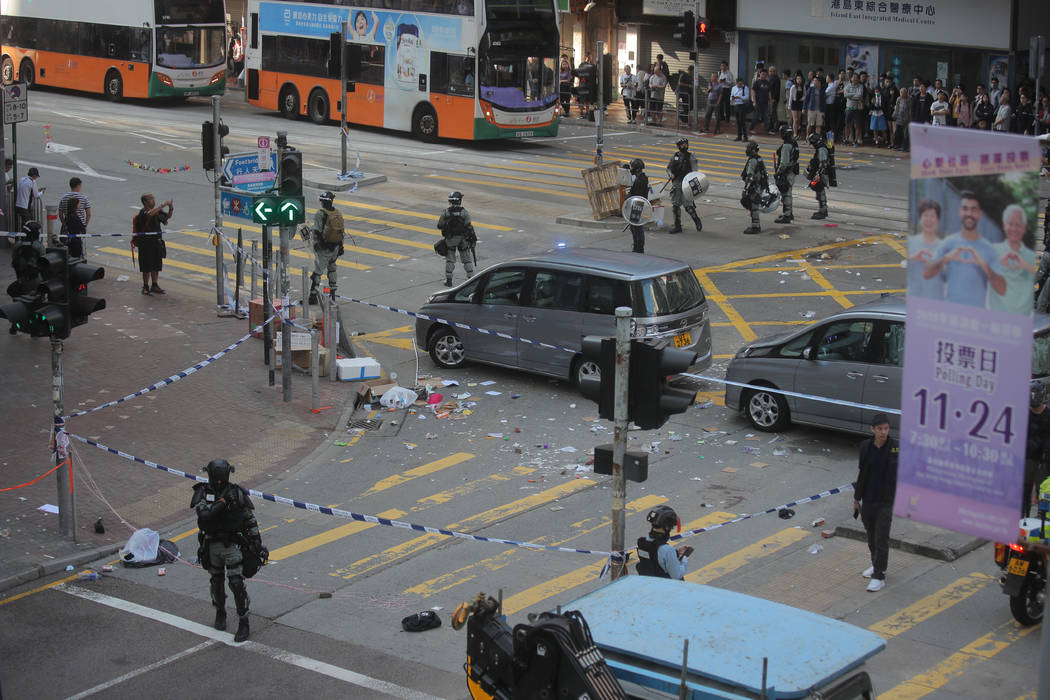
(925, 608)
(422, 470)
(329, 536)
(742, 557)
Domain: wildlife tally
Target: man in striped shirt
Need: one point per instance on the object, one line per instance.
(74, 211)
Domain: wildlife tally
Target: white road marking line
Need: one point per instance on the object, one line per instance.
(154, 138)
(74, 116)
(443, 150)
(226, 638)
(139, 671)
(571, 138)
(88, 172)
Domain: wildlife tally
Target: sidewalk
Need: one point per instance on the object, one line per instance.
(226, 409)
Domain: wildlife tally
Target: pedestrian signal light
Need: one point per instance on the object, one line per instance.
(290, 171)
(703, 40)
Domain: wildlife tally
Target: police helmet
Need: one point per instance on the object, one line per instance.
(681, 141)
(219, 471)
(752, 148)
(814, 139)
(663, 517)
(1038, 393)
(32, 230)
(636, 165)
(786, 133)
(455, 198)
(326, 198)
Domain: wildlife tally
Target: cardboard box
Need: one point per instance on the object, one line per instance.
(256, 315)
(301, 358)
(357, 369)
(300, 341)
(375, 389)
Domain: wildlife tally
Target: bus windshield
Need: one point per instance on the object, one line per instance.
(190, 47)
(519, 83)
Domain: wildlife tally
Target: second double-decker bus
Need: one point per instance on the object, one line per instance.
(121, 48)
(461, 69)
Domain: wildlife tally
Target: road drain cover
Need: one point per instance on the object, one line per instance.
(366, 423)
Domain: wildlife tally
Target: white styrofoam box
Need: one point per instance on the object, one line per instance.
(355, 368)
(300, 341)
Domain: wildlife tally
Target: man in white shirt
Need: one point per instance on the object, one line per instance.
(738, 99)
(725, 76)
(27, 192)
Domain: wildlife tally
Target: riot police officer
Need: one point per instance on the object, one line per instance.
(681, 164)
(326, 237)
(639, 188)
(655, 556)
(785, 171)
(818, 174)
(756, 182)
(229, 539)
(458, 233)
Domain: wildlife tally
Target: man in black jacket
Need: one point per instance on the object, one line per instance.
(873, 496)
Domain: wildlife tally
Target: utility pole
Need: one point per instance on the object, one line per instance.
(600, 112)
(620, 422)
(267, 253)
(220, 296)
(694, 116)
(66, 509)
(343, 131)
(286, 335)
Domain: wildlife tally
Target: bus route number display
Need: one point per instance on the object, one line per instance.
(16, 103)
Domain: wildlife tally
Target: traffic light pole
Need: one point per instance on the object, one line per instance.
(342, 81)
(620, 422)
(286, 335)
(66, 509)
(220, 296)
(600, 112)
(267, 253)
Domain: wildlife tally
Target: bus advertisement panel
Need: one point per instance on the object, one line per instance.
(121, 48)
(413, 70)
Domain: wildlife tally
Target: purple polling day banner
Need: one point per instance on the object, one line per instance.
(968, 345)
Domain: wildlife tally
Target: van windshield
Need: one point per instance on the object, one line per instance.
(667, 294)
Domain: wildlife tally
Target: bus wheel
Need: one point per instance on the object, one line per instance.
(7, 70)
(425, 123)
(289, 103)
(25, 72)
(114, 87)
(317, 107)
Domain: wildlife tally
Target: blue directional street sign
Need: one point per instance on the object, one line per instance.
(237, 164)
(236, 205)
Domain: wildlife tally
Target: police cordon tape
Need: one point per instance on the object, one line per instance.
(376, 520)
(16, 234)
(178, 375)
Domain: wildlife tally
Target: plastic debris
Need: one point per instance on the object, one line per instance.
(808, 314)
(88, 575)
(705, 404)
(817, 523)
(816, 548)
(748, 449)
(779, 452)
(827, 533)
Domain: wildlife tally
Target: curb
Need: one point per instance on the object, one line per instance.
(318, 179)
(943, 550)
(57, 565)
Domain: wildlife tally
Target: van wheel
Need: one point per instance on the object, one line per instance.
(114, 86)
(26, 72)
(7, 70)
(585, 368)
(317, 107)
(425, 123)
(289, 103)
(446, 349)
(766, 410)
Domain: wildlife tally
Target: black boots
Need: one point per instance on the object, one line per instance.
(752, 230)
(240, 597)
(218, 599)
(784, 219)
(821, 214)
(677, 228)
(696, 219)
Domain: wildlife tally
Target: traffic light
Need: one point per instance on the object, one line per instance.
(208, 161)
(601, 352)
(686, 30)
(290, 171)
(703, 39)
(52, 316)
(80, 304)
(607, 79)
(651, 400)
(20, 313)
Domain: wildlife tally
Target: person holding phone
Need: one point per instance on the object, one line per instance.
(655, 556)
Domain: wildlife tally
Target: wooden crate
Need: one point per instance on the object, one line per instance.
(603, 189)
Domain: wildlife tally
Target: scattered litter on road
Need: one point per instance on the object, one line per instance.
(495, 435)
(827, 533)
(730, 442)
(494, 393)
(122, 278)
(779, 452)
(162, 571)
(340, 443)
(730, 470)
(817, 523)
(410, 445)
(515, 396)
(487, 382)
(567, 448)
(705, 404)
(462, 397)
(759, 465)
(784, 236)
(775, 438)
(431, 436)
(445, 382)
(816, 548)
(808, 314)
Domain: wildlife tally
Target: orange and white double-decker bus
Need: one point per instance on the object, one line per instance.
(461, 69)
(122, 48)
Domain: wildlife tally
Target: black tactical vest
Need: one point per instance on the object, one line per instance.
(648, 564)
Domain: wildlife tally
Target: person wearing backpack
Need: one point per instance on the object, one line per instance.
(458, 232)
(327, 234)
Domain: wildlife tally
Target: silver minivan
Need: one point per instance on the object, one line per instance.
(853, 356)
(558, 298)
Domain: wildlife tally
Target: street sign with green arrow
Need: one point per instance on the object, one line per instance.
(278, 210)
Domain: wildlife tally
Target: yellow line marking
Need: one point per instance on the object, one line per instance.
(777, 295)
(472, 571)
(524, 188)
(797, 253)
(822, 267)
(982, 648)
(540, 592)
(416, 472)
(742, 557)
(746, 332)
(356, 249)
(523, 179)
(925, 608)
(294, 253)
(477, 521)
(448, 494)
(328, 536)
(718, 398)
(574, 168)
(416, 214)
(722, 324)
(821, 281)
(898, 246)
(168, 262)
(391, 239)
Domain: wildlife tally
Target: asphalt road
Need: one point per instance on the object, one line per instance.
(513, 468)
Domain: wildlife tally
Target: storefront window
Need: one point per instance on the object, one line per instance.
(951, 66)
(787, 51)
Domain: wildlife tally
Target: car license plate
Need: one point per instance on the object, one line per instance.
(1017, 566)
(191, 93)
(682, 340)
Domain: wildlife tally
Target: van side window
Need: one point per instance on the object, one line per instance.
(604, 295)
(503, 287)
(888, 344)
(557, 290)
(845, 341)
